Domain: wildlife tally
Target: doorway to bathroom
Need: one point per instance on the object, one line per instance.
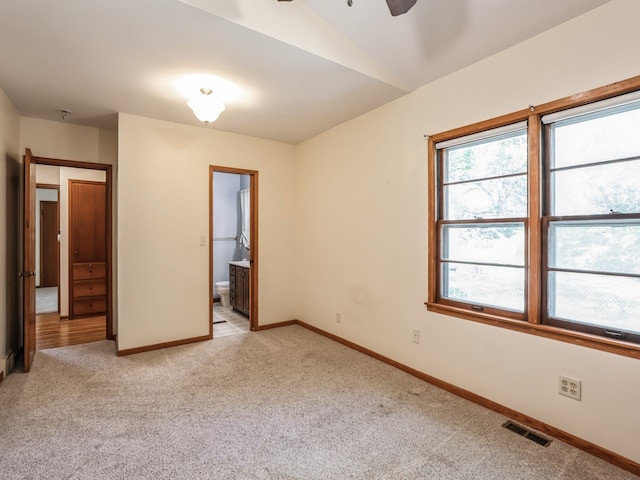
(233, 250)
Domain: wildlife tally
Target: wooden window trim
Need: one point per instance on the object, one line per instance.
(547, 331)
(534, 256)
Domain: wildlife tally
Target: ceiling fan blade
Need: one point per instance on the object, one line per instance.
(398, 7)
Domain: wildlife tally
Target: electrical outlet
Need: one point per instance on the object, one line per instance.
(416, 336)
(570, 387)
(338, 317)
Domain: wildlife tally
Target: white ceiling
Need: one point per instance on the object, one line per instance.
(301, 67)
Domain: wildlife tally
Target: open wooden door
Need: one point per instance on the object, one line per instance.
(28, 273)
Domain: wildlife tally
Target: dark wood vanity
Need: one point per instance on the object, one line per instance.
(239, 288)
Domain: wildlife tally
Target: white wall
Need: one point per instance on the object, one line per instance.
(9, 228)
(66, 141)
(361, 233)
(49, 174)
(163, 272)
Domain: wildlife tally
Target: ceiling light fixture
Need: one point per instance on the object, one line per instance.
(64, 112)
(206, 106)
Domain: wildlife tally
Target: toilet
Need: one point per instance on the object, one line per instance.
(222, 289)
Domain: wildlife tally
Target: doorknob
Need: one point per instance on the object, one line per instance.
(26, 274)
(75, 251)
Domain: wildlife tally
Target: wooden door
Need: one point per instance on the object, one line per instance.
(49, 246)
(87, 248)
(28, 272)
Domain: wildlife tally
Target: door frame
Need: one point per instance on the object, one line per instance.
(108, 169)
(253, 242)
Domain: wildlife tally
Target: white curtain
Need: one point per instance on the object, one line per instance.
(245, 217)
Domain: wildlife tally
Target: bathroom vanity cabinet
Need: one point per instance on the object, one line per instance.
(239, 288)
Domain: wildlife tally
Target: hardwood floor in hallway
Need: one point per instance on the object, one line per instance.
(52, 332)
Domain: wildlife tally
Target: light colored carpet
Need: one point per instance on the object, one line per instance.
(278, 404)
(46, 300)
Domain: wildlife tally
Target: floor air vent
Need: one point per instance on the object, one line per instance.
(534, 437)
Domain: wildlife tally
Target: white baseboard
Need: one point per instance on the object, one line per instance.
(8, 363)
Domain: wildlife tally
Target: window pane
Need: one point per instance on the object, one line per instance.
(499, 198)
(597, 190)
(599, 139)
(595, 299)
(492, 157)
(614, 247)
(481, 243)
(500, 287)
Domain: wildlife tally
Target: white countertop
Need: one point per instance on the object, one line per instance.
(240, 263)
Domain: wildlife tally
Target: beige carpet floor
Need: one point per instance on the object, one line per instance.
(278, 404)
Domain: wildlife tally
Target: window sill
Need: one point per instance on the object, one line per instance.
(577, 338)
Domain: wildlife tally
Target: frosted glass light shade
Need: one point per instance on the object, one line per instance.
(206, 107)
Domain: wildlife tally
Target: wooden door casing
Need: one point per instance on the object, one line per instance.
(252, 274)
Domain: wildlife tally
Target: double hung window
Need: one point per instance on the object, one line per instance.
(591, 220)
(535, 221)
(482, 220)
